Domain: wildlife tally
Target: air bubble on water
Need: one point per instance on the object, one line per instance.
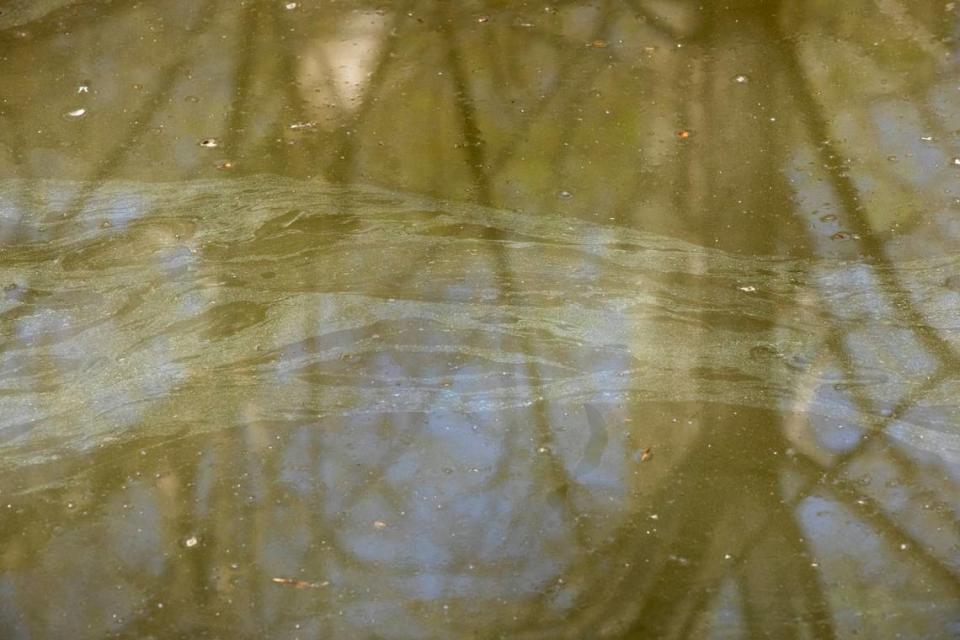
(209, 143)
(290, 6)
(565, 194)
(741, 79)
(927, 138)
(543, 450)
(955, 162)
(77, 113)
(191, 542)
(747, 288)
(83, 88)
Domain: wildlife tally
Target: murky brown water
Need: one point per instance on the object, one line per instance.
(414, 320)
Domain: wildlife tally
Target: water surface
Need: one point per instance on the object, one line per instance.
(495, 320)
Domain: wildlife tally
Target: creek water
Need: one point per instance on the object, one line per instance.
(487, 320)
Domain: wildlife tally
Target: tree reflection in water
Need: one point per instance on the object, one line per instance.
(438, 404)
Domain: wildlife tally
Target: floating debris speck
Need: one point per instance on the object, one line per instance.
(299, 584)
(209, 143)
(845, 235)
(77, 113)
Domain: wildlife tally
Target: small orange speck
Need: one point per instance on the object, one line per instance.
(683, 134)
